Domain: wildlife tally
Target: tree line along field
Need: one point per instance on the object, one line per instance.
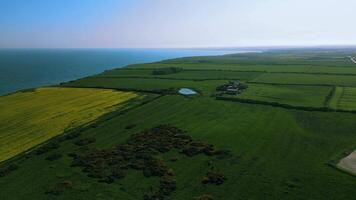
(30, 118)
(266, 150)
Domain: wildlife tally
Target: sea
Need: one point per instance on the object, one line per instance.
(28, 68)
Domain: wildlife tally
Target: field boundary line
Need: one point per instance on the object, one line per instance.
(293, 84)
(251, 71)
(329, 96)
(285, 106)
(166, 78)
(341, 96)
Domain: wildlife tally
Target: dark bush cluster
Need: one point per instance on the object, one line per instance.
(130, 126)
(204, 197)
(167, 185)
(214, 178)
(167, 70)
(233, 85)
(5, 170)
(84, 141)
(55, 156)
(59, 188)
(71, 136)
(139, 153)
(47, 147)
(195, 148)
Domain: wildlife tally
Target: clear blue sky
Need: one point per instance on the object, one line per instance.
(175, 23)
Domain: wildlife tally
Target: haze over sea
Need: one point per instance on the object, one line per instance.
(28, 68)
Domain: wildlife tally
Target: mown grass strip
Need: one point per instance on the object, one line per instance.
(286, 106)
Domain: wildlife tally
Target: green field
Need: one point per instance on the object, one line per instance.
(146, 84)
(312, 96)
(295, 122)
(307, 79)
(344, 98)
(184, 75)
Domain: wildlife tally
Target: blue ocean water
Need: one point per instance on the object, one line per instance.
(28, 68)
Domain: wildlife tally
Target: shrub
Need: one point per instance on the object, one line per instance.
(214, 178)
(131, 126)
(204, 197)
(165, 71)
(84, 141)
(55, 156)
(5, 170)
(47, 147)
(59, 188)
(72, 136)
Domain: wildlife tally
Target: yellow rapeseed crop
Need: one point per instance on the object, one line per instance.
(30, 118)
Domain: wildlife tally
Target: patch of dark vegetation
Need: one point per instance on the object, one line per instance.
(47, 147)
(195, 148)
(223, 154)
(71, 136)
(204, 197)
(130, 126)
(84, 141)
(5, 170)
(329, 96)
(167, 70)
(174, 159)
(59, 188)
(53, 157)
(140, 153)
(214, 178)
(232, 88)
(28, 90)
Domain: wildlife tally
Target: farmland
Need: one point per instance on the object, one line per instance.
(30, 118)
(313, 96)
(281, 139)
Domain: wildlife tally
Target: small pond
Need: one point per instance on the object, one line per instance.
(187, 92)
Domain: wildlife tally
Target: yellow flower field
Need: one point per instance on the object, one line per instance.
(30, 118)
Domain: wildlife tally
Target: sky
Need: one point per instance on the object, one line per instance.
(175, 23)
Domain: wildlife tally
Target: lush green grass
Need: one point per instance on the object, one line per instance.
(278, 57)
(300, 61)
(310, 96)
(334, 102)
(225, 66)
(187, 74)
(309, 79)
(148, 84)
(30, 118)
(348, 99)
(277, 153)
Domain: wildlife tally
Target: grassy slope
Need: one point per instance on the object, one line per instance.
(30, 118)
(276, 153)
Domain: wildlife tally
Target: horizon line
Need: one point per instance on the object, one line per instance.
(197, 47)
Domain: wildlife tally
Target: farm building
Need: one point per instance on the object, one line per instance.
(232, 87)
